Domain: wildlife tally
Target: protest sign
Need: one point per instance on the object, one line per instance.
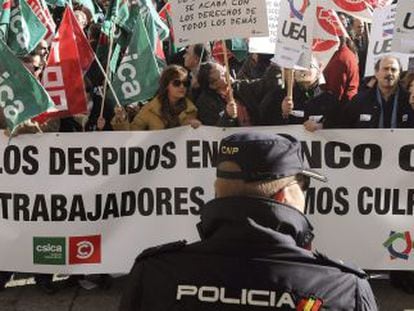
(294, 34)
(380, 42)
(202, 21)
(403, 41)
(267, 45)
(361, 9)
(90, 202)
(326, 32)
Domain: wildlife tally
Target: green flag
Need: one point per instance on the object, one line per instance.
(60, 3)
(239, 48)
(5, 7)
(136, 78)
(157, 30)
(116, 17)
(21, 95)
(117, 13)
(25, 29)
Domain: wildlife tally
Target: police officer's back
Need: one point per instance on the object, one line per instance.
(252, 252)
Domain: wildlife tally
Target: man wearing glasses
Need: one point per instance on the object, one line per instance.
(254, 243)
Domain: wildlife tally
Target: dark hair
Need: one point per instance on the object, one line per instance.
(378, 63)
(203, 76)
(349, 43)
(202, 51)
(408, 79)
(170, 113)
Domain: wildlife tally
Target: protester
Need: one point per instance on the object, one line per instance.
(193, 57)
(42, 50)
(214, 104)
(254, 66)
(310, 105)
(384, 106)
(34, 63)
(341, 73)
(254, 241)
(170, 108)
(360, 39)
(344, 20)
(408, 84)
(82, 19)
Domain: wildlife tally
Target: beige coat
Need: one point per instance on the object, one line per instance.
(149, 117)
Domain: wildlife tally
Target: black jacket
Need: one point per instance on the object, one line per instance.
(248, 259)
(308, 104)
(364, 111)
(249, 93)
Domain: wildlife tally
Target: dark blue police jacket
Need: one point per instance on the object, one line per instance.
(248, 258)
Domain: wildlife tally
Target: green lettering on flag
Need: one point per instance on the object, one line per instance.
(137, 76)
(25, 29)
(21, 95)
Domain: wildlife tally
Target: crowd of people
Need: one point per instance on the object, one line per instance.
(193, 90)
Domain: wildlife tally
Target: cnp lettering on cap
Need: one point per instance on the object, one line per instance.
(229, 150)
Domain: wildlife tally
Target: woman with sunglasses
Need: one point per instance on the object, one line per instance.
(169, 108)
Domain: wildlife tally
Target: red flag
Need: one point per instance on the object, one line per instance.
(63, 77)
(86, 54)
(44, 16)
(165, 15)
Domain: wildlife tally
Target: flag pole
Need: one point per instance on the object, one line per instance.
(108, 67)
(107, 79)
(226, 63)
(289, 84)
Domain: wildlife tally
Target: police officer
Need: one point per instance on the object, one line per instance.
(254, 238)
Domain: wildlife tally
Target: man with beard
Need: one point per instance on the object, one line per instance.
(384, 106)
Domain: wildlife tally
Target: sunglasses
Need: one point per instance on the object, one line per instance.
(178, 83)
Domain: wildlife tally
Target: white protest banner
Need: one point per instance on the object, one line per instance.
(90, 202)
(361, 9)
(294, 34)
(201, 21)
(266, 45)
(380, 42)
(403, 41)
(326, 32)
